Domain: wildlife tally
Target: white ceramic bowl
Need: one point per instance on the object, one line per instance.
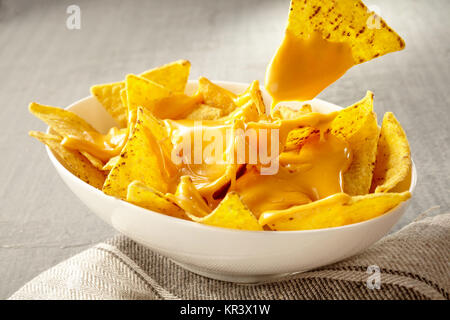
(225, 254)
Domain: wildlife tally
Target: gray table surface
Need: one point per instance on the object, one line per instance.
(41, 221)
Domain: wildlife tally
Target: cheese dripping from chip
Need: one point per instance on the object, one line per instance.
(324, 39)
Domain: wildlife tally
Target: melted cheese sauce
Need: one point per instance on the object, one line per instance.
(302, 68)
(313, 173)
(104, 147)
(309, 174)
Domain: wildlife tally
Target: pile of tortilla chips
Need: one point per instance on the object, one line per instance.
(133, 160)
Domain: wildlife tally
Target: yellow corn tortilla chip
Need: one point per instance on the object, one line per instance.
(144, 93)
(231, 213)
(172, 76)
(143, 158)
(256, 96)
(189, 199)
(109, 95)
(243, 98)
(96, 162)
(143, 196)
(393, 163)
(124, 99)
(357, 125)
(176, 106)
(347, 21)
(72, 160)
(111, 163)
(297, 138)
(216, 96)
(284, 112)
(63, 122)
(78, 134)
(247, 113)
(337, 210)
(205, 112)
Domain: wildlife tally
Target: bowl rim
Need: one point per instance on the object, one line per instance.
(194, 224)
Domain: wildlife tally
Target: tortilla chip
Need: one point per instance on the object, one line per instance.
(298, 137)
(96, 162)
(205, 112)
(231, 213)
(337, 210)
(176, 106)
(143, 158)
(189, 199)
(80, 135)
(243, 98)
(256, 96)
(347, 21)
(357, 125)
(109, 95)
(149, 198)
(63, 122)
(111, 163)
(172, 76)
(393, 164)
(284, 112)
(216, 96)
(144, 93)
(72, 160)
(247, 113)
(124, 99)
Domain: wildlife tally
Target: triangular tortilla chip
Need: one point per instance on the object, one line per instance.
(80, 135)
(143, 158)
(231, 213)
(173, 76)
(256, 96)
(393, 164)
(337, 210)
(216, 96)
(357, 125)
(63, 122)
(111, 163)
(149, 198)
(205, 112)
(72, 160)
(347, 21)
(284, 112)
(109, 96)
(96, 162)
(144, 93)
(242, 98)
(189, 199)
(176, 106)
(247, 113)
(124, 98)
(297, 138)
